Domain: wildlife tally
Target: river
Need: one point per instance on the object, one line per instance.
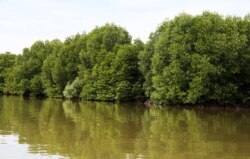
(52, 128)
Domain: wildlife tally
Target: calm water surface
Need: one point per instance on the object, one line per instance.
(31, 128)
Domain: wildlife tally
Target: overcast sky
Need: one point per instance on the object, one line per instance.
(22, 22)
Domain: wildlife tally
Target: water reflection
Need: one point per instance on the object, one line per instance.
(99, 130)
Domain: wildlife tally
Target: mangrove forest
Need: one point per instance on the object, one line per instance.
(190, 59)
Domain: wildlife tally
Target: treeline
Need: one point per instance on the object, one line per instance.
(187, 60)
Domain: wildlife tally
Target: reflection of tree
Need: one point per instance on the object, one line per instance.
(100, 130)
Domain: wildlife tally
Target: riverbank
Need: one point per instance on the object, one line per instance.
(148, 104)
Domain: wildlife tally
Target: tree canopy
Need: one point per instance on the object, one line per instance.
(200, 59)
(187, 60)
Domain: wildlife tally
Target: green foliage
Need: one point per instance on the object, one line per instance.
(7, 60)
(73, 90)
(23, 76)
(109, 61)
(61, 66)
(187, 60)
(24, 87)
(36, 86)
(128, 77)
(199, 59)
(145, 57)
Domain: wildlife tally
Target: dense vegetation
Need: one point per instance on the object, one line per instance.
(187, 60)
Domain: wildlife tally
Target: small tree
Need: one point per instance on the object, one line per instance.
(72, 90)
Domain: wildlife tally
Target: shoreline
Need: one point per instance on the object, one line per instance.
(148, 104)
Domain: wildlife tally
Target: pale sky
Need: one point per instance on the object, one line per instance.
(22, 22)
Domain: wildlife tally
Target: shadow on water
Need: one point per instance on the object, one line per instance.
(108, 130)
